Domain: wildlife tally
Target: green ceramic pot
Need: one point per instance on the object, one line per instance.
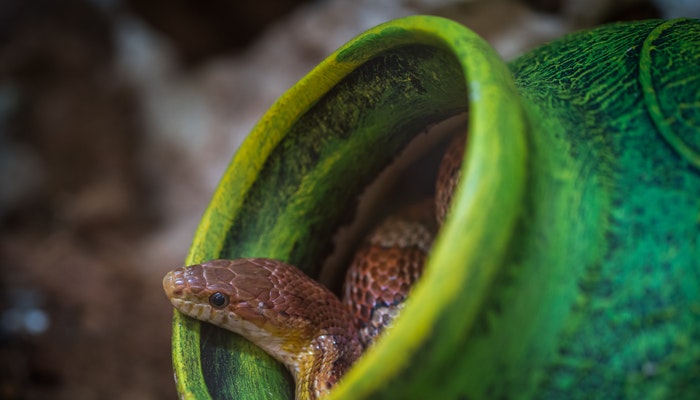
(569, 266)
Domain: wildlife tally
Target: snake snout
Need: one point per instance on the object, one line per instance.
(174, 284)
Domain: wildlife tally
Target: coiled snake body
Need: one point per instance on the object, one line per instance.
(299, 321)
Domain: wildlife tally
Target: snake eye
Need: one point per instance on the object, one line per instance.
(218, 300)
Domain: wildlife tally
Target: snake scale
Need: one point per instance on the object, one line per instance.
(300, 322)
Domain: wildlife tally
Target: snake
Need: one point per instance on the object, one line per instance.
(315, 334)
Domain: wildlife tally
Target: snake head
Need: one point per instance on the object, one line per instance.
(245, 296)
(212, 291)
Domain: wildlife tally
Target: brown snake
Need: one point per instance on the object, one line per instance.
(299, 321)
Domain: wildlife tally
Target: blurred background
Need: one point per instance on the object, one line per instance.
(118, 117)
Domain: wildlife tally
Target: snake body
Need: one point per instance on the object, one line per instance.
(300, 322)
(276, 306)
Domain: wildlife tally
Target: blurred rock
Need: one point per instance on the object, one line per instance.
(74, 205)
(202, 30)
(678, 8)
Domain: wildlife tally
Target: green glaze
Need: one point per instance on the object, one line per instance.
(568, 266)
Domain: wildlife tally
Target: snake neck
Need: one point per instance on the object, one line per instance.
(328, 358)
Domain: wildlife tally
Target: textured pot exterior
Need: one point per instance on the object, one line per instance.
(569, 263)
